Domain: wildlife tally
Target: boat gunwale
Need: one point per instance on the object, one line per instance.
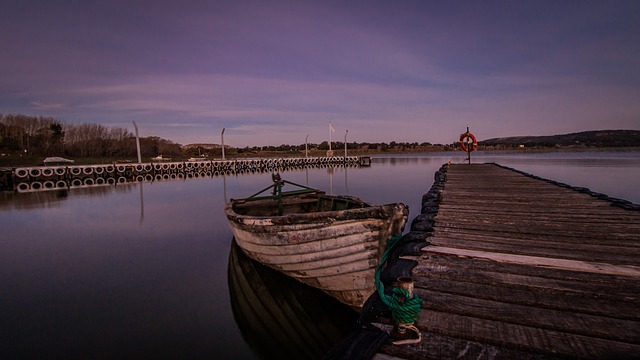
(369, 211)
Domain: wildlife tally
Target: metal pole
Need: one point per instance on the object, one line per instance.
(330, 127)
(222, 136)
(345, 145)
(306, 149)
(468, 147)
(137, 142)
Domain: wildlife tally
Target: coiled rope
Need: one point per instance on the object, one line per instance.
(404, 310)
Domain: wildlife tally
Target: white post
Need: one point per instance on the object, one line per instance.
(345, 145)
(330, 131)
(137, 142)
(306, 149)
(222, 137)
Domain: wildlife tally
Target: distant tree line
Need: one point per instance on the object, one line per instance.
(337, 146)
(594, 138)
(46, 136)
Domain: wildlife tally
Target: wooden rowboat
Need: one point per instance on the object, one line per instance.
(333, 243)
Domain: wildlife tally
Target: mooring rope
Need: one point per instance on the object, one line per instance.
(407, 311)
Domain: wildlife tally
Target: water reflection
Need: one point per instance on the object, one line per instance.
(10, 200)
(141, 204)
(281, 318)
(152, 264)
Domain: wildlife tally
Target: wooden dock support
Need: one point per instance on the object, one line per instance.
(519, 267)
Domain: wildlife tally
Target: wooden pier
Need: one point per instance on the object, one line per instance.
(516, 267)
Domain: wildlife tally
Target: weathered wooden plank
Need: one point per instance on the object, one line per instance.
(608, 215)
(543, 229)
(624, 256)
(566, 216)
(547, 241)
(536, 239)
(584, 266)
(540, 279)
(548, 299)
(562, 200)
(540, 286)
(518, 193)
(564, 197)
(502, 212)
(535, 316)
(542, 341)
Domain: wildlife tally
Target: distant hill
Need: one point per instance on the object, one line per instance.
(597, 138)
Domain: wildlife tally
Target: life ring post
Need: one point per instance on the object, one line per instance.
(468, 143)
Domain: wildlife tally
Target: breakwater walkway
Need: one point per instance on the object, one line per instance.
(42, 178)
(513, 266)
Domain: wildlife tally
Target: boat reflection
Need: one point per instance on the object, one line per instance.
(280, 317)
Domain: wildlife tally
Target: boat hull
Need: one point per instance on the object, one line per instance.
(334, 251)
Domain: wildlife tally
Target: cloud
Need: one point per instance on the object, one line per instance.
(48, 107)
(272, 73)
(259, 110)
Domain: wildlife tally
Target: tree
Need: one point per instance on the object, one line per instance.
(57, 140)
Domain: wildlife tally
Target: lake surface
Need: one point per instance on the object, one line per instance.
(149, 269)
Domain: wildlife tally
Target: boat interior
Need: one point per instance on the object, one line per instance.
(300, 204)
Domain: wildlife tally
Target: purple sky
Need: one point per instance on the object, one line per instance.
(271, 72)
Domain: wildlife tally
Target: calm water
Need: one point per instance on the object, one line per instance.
(148, 269)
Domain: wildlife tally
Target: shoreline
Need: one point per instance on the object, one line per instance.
(15, 161)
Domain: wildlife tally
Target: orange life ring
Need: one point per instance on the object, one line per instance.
(463, 139)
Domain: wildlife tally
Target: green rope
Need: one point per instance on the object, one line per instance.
(407, 312)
